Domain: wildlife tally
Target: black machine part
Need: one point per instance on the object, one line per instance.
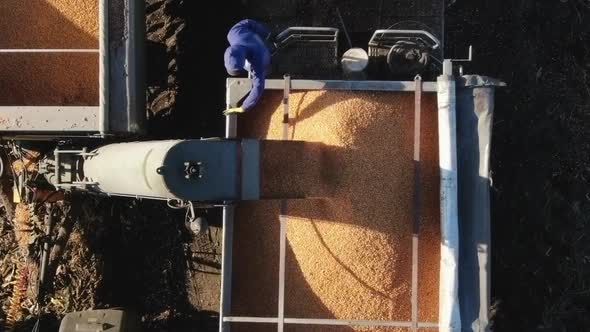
(407, 58)
(405, 52)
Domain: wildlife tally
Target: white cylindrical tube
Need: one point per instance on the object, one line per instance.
(449, 311)
(130, 169)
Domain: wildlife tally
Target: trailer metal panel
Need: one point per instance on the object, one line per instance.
(334, 322)
(59, 119)
(121, 97)
(238, 88)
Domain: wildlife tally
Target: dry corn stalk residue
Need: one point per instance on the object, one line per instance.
(23, 225)
(19, 294)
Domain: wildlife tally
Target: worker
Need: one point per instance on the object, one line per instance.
(249, 52)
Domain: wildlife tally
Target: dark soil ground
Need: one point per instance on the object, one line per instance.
(540, 156)
(144, 258)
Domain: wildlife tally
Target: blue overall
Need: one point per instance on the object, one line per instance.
(247, 51)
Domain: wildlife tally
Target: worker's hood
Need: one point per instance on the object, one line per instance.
(235, 58)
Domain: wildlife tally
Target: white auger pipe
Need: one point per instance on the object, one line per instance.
(449, 313)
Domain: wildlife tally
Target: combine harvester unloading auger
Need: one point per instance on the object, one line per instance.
(99, 150)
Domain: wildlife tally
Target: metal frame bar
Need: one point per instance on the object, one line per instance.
(326, 321)
(226, 265)
(282, 263)
(278, 84)
(306, 35)
(235, 91)
(62, 119)
(103, 68)
(227, 235)
(299, 37)
(417, 198)
(238, 88)
(283, 213)
(302, 31)
(380, 35)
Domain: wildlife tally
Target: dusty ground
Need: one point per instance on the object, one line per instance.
(540, 164)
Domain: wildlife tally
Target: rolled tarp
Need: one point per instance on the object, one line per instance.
(475, 108)
(449, 314)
